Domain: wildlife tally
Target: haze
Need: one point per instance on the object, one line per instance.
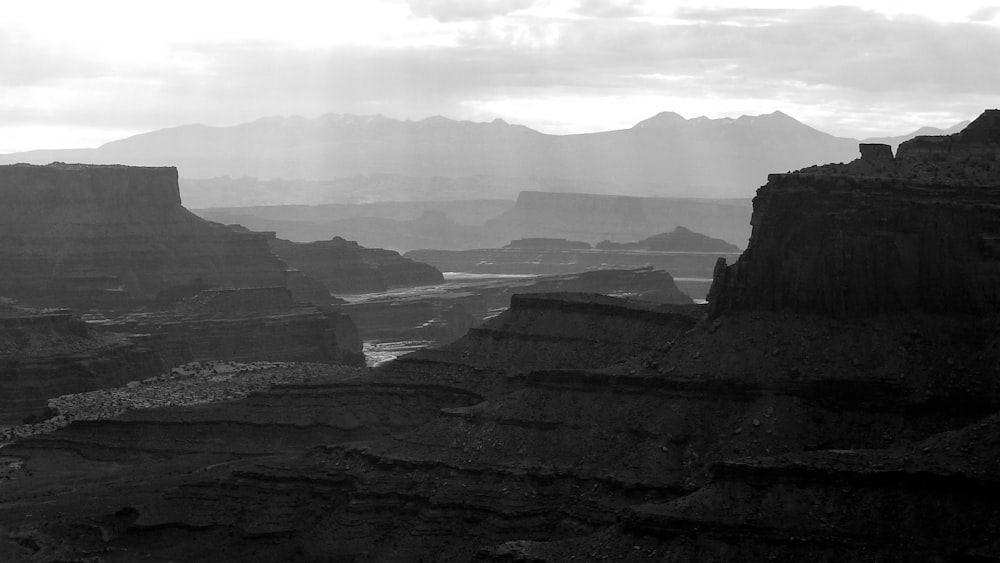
(81, 74)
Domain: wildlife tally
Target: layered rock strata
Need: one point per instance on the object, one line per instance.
(109, 236)
(445, 313)
(344, 266)
(252, 324)
(48, 353)
(920, 231)
(502, 446)
(573, 427)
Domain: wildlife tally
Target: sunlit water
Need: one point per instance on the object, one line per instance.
(378, 352)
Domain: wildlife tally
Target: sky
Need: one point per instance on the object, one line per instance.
(78, 74)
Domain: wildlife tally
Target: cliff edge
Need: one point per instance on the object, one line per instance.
(103, 236)
(918, 231)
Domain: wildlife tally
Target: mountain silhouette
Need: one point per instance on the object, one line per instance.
(664, 155)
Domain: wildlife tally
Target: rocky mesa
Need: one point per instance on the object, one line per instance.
(108, 236)
(918, 231)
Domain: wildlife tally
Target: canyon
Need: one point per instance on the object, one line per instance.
(140, 285)
(470, 224)
(837, 399)
(46, 353)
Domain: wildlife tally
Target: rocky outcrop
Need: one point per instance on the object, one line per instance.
(346, 267)
(917, 232)
(592, 217)
(48, 353)
(685, 240)
(681, 239)
(111, 236)
(568, 330)
(250, 325)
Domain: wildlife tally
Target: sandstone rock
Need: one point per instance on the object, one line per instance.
(919, 232)
(251, 324)
(108, 236)
(682, 239)
(346, 267)
(44, 354)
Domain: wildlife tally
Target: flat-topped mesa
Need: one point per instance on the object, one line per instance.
(26, 186)
(101, 236)
(920, 231)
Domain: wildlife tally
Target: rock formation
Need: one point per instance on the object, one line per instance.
(591, 217)
(916, 232)
(248, 325)
(682, 239)
(346, 267)
(47, 353)
(110, 236)
(447, 313)
(577, 427)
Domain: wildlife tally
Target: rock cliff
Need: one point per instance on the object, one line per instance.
(250, 324)
(920, 231)
(46, 353)
(346, 267)
(91, 236)
(579, 428)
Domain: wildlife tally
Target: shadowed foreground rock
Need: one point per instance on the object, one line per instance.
(247, 325)
(918, 232)
(46, 353)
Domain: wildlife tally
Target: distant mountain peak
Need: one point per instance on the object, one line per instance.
(661, 120)
(773, 120)
(436, 120)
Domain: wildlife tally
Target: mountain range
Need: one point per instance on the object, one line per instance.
(665, 155)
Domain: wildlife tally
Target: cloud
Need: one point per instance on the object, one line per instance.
(842, 67)
(609, 8)
(985, 14)
(465, 10)
(27, 63)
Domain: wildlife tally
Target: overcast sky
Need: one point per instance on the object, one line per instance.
(78, 74)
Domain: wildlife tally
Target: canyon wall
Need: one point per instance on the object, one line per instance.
(44, 354)
(346, 267)
(578, 427)
(93, 236)
(920, 231)
(250, 324)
